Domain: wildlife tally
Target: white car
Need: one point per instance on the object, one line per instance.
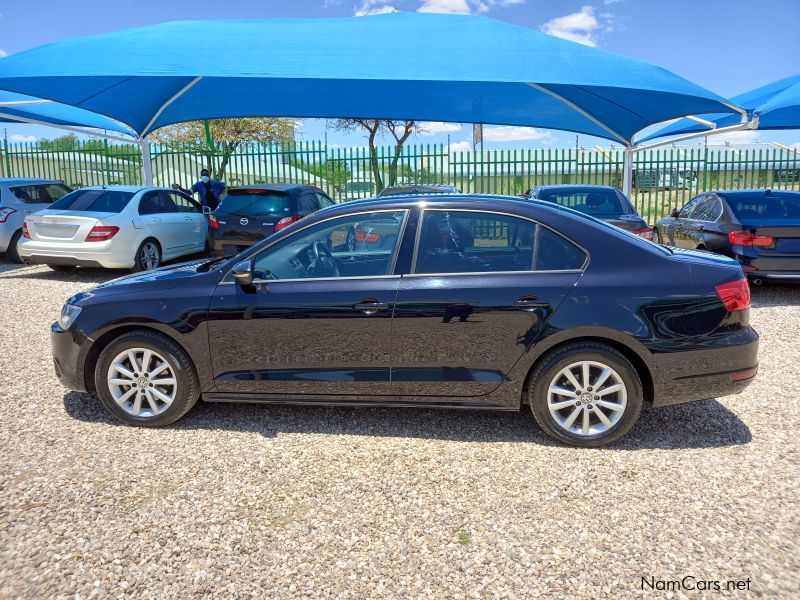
(116, 227)
(19, 198)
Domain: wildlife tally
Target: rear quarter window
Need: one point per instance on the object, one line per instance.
(557, 253)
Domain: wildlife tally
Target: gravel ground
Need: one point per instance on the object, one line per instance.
(301, 501)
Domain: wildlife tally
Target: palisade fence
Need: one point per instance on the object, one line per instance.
(663, 178)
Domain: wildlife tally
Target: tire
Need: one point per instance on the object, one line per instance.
(618, 422)
(146, 248)
(62, 268)
(151, 410)
(11, 252)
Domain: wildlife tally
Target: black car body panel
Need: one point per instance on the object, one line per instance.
(457, 340)
(416, 189)
(600, 201)
(248, 214)
(706, 221)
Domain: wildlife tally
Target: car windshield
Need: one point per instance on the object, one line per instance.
(595, 202)
(108, 201)
(256, 203)
(761, 207)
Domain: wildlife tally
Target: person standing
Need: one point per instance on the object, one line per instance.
(209, 190)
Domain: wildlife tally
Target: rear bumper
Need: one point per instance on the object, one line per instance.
(782, 267)
(700, 374)
(97, 255)
(228, 247)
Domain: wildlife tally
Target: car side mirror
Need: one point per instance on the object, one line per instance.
(243, 273)
(675, 213)
(206, 210)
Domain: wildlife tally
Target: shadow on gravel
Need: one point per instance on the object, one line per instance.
(705, 424)
(775, 294)
(82, 275)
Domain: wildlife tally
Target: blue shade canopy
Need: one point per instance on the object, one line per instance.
(777, 106)
(18, 108)
(432, 67)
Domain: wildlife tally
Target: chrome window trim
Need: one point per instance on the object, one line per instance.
(421, 221)
(311, 279)
(392, 262)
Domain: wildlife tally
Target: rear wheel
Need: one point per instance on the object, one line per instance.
(145, 378)
(12, 253)
(585, 394)
(148, 256)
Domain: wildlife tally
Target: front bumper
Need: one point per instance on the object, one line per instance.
(69, 357)
(700, 374)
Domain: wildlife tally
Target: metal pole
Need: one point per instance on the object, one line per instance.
(627, 171)
(147, 167)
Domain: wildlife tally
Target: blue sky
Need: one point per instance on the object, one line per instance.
(727, 46)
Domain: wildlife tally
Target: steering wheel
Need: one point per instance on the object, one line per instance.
(324, 263)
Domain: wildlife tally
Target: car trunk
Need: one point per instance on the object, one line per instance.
(625, 221)
(64, 226)
(787, 239)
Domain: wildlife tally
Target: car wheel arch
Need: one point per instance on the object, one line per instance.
(631, 349)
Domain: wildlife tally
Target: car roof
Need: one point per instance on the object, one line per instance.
(434, 200)
(278, 187)
(759, 192)
(25, 180)
(574, 186)
(127, 188)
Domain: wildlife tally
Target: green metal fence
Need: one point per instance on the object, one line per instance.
(663, 178)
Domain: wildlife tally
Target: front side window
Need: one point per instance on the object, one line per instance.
(360, 245)
(40, 193)
(107, 201)
(184, 204)
(323, 200)
(474, 242)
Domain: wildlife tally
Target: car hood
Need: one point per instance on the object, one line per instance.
(160, 279)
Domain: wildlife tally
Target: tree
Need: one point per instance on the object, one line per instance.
(60, 144)
(399, 130)
(218, 139)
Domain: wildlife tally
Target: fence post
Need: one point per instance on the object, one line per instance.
(147, 167)
(6, 159)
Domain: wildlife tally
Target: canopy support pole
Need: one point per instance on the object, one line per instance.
(147, 166)
(180, 93)
(21, 102)
(582, 112)
(627, 172)
(65, 128)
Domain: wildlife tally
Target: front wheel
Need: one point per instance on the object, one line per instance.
(145, 378)
(585, 394)
(148, 256)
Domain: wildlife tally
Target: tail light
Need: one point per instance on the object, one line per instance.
(101, 233)
(213, 222)
(645, 232)
(364, 236)
(25, 232)
(735, 295)
(5, 213)
(746, 238)
(286, 221)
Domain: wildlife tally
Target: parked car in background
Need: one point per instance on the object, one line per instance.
(419, 188)
(480, 302)
(116, 227)
(19, 198)
(760, 229)
(249, 214)
(602, 202)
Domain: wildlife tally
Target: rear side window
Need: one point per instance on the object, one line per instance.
(708, 209)
(323, 200)
(41, 193)
(687, 212)
(595, 202)
(111, 201)
(307, 203)
(158, 202)
(761, 206)
(256, 203)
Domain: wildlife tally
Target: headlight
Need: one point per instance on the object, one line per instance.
(68, 315)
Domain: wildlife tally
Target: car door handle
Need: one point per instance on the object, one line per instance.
(370, 307)
(529, 303)
(188, 219)
(155, 220)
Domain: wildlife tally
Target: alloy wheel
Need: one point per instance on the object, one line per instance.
(142, 382)
(587, 398)
(148, 256)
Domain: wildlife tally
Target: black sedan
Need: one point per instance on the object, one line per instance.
(760, 229)
(600, 201)
(248, 214)
(419, 188)
(480, 302)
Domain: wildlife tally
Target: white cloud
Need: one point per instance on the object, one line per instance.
(458, 7)
(575, 27)
(375, 7)
(510, 133)
(21, 138)
(609, 2)
(434, 127)
(734, 137)
(464, 146)
(3, 53)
